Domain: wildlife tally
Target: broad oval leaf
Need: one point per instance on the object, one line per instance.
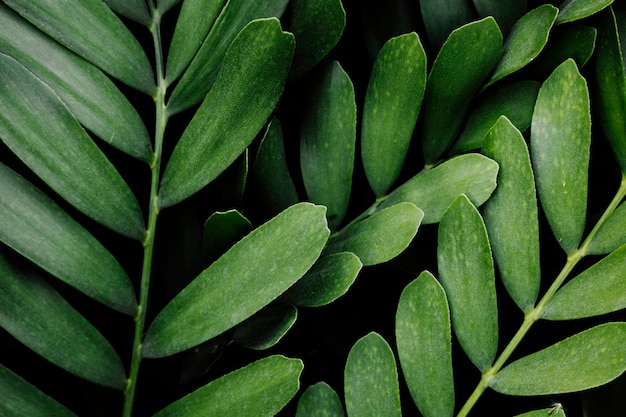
(254, 272)
(34, 226)
(319, 400)
(586, 360)
(392, 103)
(94, 32)
(264, 329)
(37, 126)
(571, 10)
(371, 379)
(511, 214)
(467, 274)
(424, 341)
(89, 94)
(440, 19)
(262, 388)
(133, 9)
(20, 398)
(434, 190)
(381, 237)
(247, 89)
(505, 13)
(36, 315)
(465, 61)
(559, 148)
(611, 234)
(598, 290)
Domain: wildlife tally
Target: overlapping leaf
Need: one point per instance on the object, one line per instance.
(441, 18)
(505, 13)
(265, 328)
(133, 9)
(571, 10)
(319, 400)
(611, 234)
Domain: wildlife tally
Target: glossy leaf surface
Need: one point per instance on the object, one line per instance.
(392, 103)
(466, 272)
(249, 276)
(559, 149)
(441, 18)
(586, 360)
(319, 400)
(261, 388)
(265, 328)
(133, 9)
(371, 379)
(424, 341)
(571, 10)
(228, 119)
(612, 233)
(505, 13)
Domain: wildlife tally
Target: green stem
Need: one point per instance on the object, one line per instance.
(148, 243)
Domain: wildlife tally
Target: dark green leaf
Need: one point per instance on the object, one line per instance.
(559, 148)
(255, 271)
(393, 100)
(265, 328)
(465, 61)
(92, 30)
(466, 272)
(319, 400)
(506, 13)
(546, 412)
(583, 361)
(245, 93)
(423, 338)
(37, 228)
(612, 233)
(441, 18)
(327, 142)
(222, 230)
(571, 10)
(37, 126)
(133, 9)
(36, 315)
(262, 388)
(371, 379)
(165, 5)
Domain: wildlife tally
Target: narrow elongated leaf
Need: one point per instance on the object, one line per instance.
(203, 69)
(245, 93)
(19, 398)
(559, 147)
(511, 214)
(505, 13)
(598, 290)
(586, 360)
(393, 100)
(525, 41)
(554, 411)
(612, 233)
(94, 32)
(381, 237)
(40, 130)
(327, 142)
(36, 315)
(262, 388)
(571, 10)
(265, 328)
(133, 9)
(465, 61)
(466, 272)
(371, 379)
(249, 276)
(423, 338)
(434, 190)
(441, 18)
(319, 400)
(37, 228)
(166, 5)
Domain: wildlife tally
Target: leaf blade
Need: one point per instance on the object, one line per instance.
(319, 400)
(572, 10)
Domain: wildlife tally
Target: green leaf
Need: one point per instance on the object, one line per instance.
(466, 272)
(262, 388)
(465, 61)
(423, 338)
(265, 328)
(222, 230)
(327, 142)
(165, 5)
(40, 130)
(611, 234)
(381, 237)
(554, 411)
(94, 32)
(610, 79)
(204, 69)
(434, 190)
(319, 400)
(254, 272)
(317, 26)
(133, 9)
(248, 87)
(393, 100)
(598, 290)
(193, 25)
(34, 226)
(505, 13)
(371, 379)
(511, 214)
(36, 315)
(89, 94)
(516, 101)
(328, 279)
(440, 19)
(525, 41)
(559, 148)
(19, 399)
(571, 10)
(586, 360)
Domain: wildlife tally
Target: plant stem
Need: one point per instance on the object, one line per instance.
(148, 243)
